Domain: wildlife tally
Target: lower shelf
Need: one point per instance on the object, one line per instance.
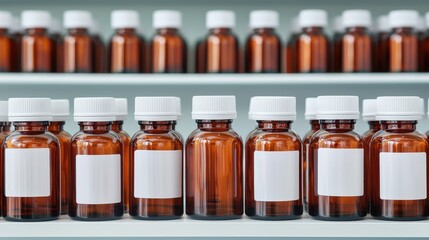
(245, 227)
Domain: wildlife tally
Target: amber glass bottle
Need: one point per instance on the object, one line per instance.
(4, 132)
(273, 160)
(221, 45)
(425, 46)
(156, 160)
(77, 44)
(403, 41)
(55, 32)
(312, 43)
(263, 47)
(60, 113)
(338, 28)
(126, 50)
(214, 161)
(355, 44)
(121, 109)
(99, 51)
(289, 53)
(399, 163)
(31, 164)
(168, 48)
(200, 56)
(336, 162)
(381, 48)
(6, 42)
(96, 163)
(37, 46)
(16, 33)
(310, 115)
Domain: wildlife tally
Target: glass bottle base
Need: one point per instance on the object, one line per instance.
(200, 217)
(156, 218)
(274, 218)
(419, 218)
(41, 219)
(95, 219)
(342, 218)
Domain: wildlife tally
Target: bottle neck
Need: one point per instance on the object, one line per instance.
(403, 30)
(129, 31)
(274, 125)
(31, 127)
(374, 125)
(338, 125)
(264, 30)
(315, 125)
(78, 31)
(167, 31)
(214, 125)
(220, 30)
(5, 126)
(407, 126)
(157, 126)
(117, 126)
(39, 31)
(56, 126)
(362, 30)
(95, 127)
(312, 30)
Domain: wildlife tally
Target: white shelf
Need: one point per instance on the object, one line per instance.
(213, 79)
(244, 227)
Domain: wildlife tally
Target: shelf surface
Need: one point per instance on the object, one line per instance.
(244, 227)
(213, 79)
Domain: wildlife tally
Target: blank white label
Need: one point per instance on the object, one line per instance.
(98, 179)
(340, 172)
(403, 176)
(157, 174)
(276, 176)
(27, 172)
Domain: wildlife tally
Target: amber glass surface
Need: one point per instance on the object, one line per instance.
(396, 136)
(334, 134)
(57, 128)
(117, 128)
(34, 135)
(221, 51)
(312, 51)
(356, 50)
(6, 51)
(200, 57)
(270, 136)
(78, 53)
(315, 126)
(214, 171)
(168, 52)
(37, 51)
(381, 62)
(99, 53)
(289, 54)
(403, 47)
(126, 52)
(16, 49)
(425, 50)
(337, 51)
(263, 51)
(94, 138)
(4, 132)
(158, 135)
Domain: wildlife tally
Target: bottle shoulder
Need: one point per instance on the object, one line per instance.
(328, 139)
(384, 135)
(157, 141)
(42, 140)
(107, 137)
(199, 135)
(259, 135)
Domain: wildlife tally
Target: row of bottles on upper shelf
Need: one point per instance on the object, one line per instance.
(100, 172)
(400, 44)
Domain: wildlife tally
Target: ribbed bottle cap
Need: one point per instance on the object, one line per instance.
(220, 19)
(383, 24)
(213, 107)
(94, 109)
(157, 108)
(167, 19)
(313, 18)
(4, 111)
(337, 107)
(121, 109)
(29, 109)
(310, 108)
(272, 108)
(77, 19)
(264, 19)
(369, 107)
(399, 108)
(5, 19)
(60, 110)
(403, 18)
(125, 19)
(35, 19)
(338, 24)
(356, 18)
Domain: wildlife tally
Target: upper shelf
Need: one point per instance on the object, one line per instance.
(213, 79)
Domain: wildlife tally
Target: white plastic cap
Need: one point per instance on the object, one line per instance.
(220, 19)
(157, 108)
(4, 111)
(264, 19)
(5, 19)
(77, 19)
(294, 27)
(94, 109)
(273, 108)
(29, 109)
(356, 18)
(35, 19)
(369, 107)
(310, 108)
(383, 24)
(125, 19)
(60, 110)
(338, 24)
(403, 18)
(337, 107)
(399, 108)
(313, 18)
(213, 107)
(167, 19)
(121, 109)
